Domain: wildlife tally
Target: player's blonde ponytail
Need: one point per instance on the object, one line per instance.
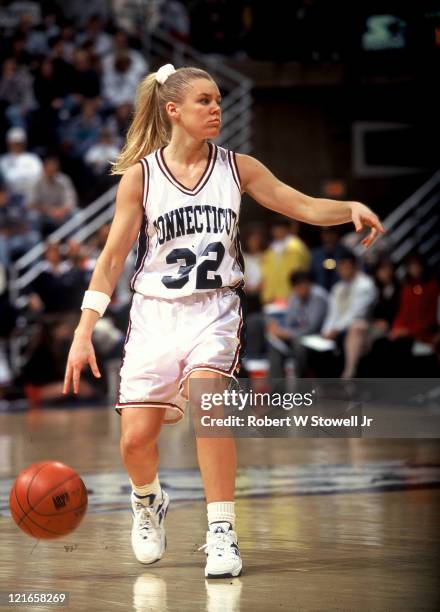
(150, 128)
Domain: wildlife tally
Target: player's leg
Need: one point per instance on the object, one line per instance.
(217, 459)
(140, 429)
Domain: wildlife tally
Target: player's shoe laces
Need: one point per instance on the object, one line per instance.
(148, 534)
(221, 548)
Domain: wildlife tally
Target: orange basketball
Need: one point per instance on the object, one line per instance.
(48, 500)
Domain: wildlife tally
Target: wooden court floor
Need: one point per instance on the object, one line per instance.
(324, 524)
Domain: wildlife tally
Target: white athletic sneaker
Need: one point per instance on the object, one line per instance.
(148, 534)
(223, 555)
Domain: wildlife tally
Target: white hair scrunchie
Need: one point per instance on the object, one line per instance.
(164, 72)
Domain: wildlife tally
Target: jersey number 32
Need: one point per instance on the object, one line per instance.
(208, 265)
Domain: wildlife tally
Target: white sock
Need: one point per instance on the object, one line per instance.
(145, 492)
(220, 512)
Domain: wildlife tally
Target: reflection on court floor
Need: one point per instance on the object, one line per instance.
(109, 491)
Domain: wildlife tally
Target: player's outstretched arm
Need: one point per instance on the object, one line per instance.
(109, 266)
(272, 193)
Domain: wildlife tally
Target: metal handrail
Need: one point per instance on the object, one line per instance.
(77, 220)
(409, 204)
(414, 224)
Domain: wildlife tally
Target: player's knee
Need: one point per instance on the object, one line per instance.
(135, 441)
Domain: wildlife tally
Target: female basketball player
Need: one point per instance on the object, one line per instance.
(180, 195)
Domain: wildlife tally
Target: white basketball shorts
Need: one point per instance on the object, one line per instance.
(168, 339)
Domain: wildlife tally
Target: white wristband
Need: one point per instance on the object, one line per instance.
(95, 300)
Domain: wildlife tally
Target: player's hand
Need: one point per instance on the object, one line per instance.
(81, 353)
(361, 215)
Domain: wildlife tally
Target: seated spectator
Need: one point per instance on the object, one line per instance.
(285, 255)
(324, 258)
(85, 82)
(50, 90)
(102, 154)
(43, 371)
(79, 255)
(61, 55)
(95, 35)
(305, 314)
(253, 247)
(59, 286)
(383, 314)
(120, 80)
(388, 301)
(17, 234)
(54, 197)
(19, 169)
(175, 20)
(415, 328)
(417, 317)
(119, 122)
(16, 92)
(350, 304)
(82, 131)
(17, 47)
(120, 45)
(66, 40)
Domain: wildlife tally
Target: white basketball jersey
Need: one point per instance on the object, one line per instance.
(189, 239)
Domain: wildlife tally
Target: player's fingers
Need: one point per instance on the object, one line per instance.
(368, 241)
(67, 379)
(94, 366)
(76, 377)
(357, 222)
(375, 222)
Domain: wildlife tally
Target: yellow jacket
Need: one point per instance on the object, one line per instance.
(276, 269)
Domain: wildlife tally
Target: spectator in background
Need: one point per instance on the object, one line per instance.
(253, 247)
(61, 54)
(54, 197)
(383, 314)
(305, 314)
(59, 286)
(417, 318)
(19, 169)
(415, 330)
(16, 93)
(95, 35)
(97, 242)
(82, 131)
(285, 255)
(65, 41)
(350, 305)
(120, 80)
(85, 83)
(120, 45)
(118, 123)
(80, 257)
(17, 235)
(50, 85)
(102, 154)
(42, 372)
(18, 50)
(50, 91)
(175, 20)
(388, 301)
(324, 258)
